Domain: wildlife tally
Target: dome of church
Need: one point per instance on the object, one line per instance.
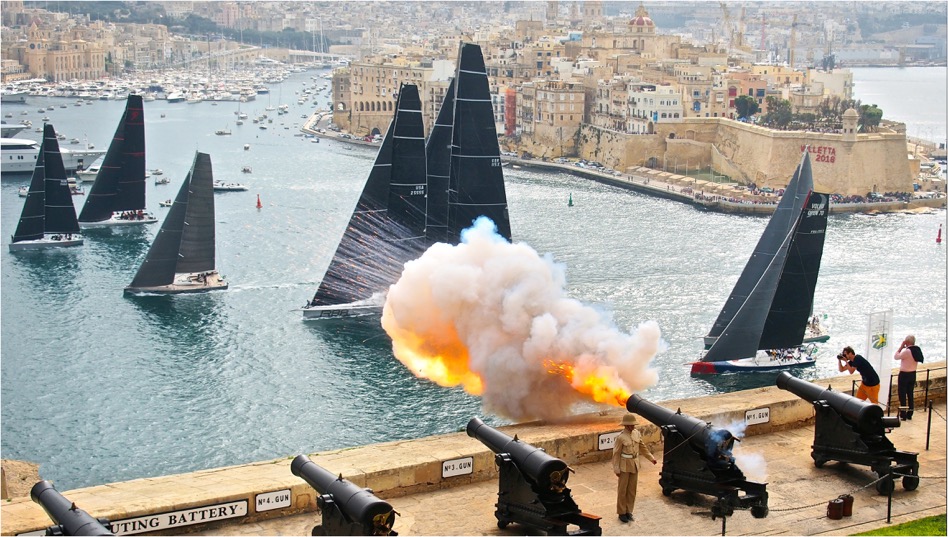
(641, 18)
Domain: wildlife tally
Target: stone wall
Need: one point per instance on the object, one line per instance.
(875, 162)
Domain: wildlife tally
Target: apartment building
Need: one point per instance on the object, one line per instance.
(364, 93)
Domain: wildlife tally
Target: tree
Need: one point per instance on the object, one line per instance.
(870, 116)
(779, 112)
(746, 106)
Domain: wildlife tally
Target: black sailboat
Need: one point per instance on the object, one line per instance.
(117, 197)
(48, 219)
(181, 259)
(386, 228)
(771, 303)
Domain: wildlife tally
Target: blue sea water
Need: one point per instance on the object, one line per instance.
(98, 387)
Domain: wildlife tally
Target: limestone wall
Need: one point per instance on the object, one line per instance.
(875, 162)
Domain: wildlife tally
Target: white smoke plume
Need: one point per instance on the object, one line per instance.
(494, 317)
(751, 462)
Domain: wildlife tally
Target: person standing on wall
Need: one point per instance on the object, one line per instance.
(909, 356)
(852, 362)
(625, 464)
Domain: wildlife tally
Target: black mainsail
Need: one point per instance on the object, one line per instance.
(773, 313)
(386, 228)
(438, 152)
(477, 178)
(120, 183)
(48, 207)
(185, 244)
(32, 224)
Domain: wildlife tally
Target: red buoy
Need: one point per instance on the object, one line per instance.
(260, 205)
(938, 238)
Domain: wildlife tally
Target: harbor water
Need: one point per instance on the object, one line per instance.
(99, 387)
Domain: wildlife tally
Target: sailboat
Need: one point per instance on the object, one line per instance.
(181, 260)
(48, 219)
(117, 197)
(464, 180)
(762, 324)
(386, 228)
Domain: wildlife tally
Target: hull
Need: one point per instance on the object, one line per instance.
(340, 311)
(229, 188)
(43, 244)
(118, 221)
(183, 284)
(764, 362)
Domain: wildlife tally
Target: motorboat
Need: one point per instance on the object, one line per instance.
(220, 186)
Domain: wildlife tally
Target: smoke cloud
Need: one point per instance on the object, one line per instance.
(494, 317)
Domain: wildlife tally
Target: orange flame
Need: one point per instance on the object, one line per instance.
(438, 355)
(598, 386)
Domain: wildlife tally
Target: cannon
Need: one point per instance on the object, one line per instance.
(346, 508)
(697, 458)
(69, 519)
(853, 431)
(532, 486)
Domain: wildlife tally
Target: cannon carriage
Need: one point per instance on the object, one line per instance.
(697, 458)
(532, 486)
(853, 431)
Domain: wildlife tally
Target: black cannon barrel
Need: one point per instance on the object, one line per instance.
(688, 426)
(72, 520)
(536, 465)
(866, 417)
(357, 503)
(713, 443)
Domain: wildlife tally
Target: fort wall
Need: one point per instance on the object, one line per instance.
(853, 165)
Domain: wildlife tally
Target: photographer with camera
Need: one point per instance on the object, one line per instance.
(852, 362)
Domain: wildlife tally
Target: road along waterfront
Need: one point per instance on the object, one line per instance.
(99, 388)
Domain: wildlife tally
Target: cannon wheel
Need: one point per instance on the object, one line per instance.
(819, 463)
(910, 482)
(502, 524)
(759, 511)
(885, 486)
(667, 491)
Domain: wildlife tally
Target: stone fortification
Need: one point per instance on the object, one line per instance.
(852, 164)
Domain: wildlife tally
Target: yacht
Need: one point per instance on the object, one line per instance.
(18, 155)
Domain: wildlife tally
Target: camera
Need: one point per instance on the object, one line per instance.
(840, 356)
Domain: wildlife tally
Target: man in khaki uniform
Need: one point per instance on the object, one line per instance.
(625, 464)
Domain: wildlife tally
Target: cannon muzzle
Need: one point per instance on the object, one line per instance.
(866, 418)
(714, 443)
(360, 506)
(544, 470)
(70, 519)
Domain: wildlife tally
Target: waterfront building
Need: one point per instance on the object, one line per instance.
(59, 55)
(838, 82)
(650, 104)
(364, 92)
(550, 114)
